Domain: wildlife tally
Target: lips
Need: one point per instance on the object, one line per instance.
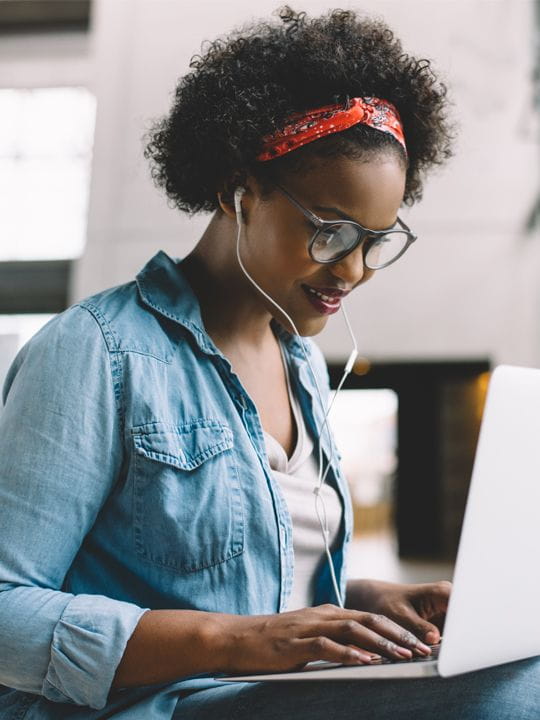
(330, 292)
(325, 300)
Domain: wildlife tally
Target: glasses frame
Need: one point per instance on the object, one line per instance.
(320, 224)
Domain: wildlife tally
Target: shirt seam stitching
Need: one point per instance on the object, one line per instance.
(115, 364)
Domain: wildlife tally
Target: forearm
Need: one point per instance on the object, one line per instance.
(169, 644)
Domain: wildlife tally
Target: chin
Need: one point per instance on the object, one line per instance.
(312, 327)
(306, 326)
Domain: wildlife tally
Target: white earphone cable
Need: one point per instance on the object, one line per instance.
(319, 500)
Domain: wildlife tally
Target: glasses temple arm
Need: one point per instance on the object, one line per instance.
(315, 219)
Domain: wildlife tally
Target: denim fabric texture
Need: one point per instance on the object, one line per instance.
(503, 692)
(134, 476)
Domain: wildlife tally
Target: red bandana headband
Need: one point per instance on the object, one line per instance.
(303, 128)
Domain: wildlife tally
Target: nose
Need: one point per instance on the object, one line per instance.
(351, 268)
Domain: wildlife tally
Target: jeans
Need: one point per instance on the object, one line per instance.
(504, 692)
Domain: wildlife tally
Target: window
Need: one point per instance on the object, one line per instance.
(46, 140)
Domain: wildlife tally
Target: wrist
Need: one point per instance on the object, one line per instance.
(361, 594)
(220, 638)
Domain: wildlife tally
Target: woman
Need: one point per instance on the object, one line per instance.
(159, 440)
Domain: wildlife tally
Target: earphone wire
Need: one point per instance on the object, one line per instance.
(319, 500)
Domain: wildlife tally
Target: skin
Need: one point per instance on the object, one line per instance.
(389, 619)
(274, 248)
(274, 251)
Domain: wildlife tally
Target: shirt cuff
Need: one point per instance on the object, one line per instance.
(88, 643)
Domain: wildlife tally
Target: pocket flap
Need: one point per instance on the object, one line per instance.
(185, 446)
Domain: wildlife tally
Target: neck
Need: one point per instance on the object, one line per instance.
(231, 307)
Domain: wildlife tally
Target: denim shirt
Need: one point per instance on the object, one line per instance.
(134, 476)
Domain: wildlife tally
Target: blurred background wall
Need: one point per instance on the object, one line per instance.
(81, 82)
(469, 287)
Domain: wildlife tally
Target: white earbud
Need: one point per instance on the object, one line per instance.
(238, 193)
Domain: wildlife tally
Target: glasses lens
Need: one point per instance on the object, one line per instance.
(386, 248)
(334, 240)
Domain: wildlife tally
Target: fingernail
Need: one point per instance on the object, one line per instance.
(360, 657)
(424, 649)
(404, 651)
(432, 637)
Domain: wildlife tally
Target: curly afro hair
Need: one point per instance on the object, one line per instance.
(245, 86)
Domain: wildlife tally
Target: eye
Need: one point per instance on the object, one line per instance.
(374, 239)
(331, 230)
(325, 239)
(327, 234)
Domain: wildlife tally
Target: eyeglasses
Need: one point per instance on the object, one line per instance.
(334, 239)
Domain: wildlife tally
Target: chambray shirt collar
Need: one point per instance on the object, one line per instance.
(164, 287)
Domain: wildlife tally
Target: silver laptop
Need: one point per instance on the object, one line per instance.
(492, 616)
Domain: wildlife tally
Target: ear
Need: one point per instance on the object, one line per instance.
(226, 203)
(226, 197)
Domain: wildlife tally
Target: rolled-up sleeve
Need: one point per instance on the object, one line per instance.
(60, 455)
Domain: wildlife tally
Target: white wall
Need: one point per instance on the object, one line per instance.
(46, 60)
(38, 61)
(469, 287)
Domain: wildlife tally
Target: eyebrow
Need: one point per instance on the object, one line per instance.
(337, 211)
(342, 214)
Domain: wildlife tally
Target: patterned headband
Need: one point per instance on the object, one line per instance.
(303, 128)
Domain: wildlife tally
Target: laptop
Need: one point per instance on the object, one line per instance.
(492, 616)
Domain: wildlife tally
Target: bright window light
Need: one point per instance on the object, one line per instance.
(364, 423)
(46, 139)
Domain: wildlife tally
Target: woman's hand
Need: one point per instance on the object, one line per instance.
(289, 640)
(421, 608)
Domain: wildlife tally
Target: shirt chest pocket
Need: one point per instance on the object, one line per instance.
(187, 501)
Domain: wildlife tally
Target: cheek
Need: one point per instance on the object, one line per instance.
(286, 250)
(296, 264)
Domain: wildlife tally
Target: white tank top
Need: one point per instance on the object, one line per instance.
(297, 477)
